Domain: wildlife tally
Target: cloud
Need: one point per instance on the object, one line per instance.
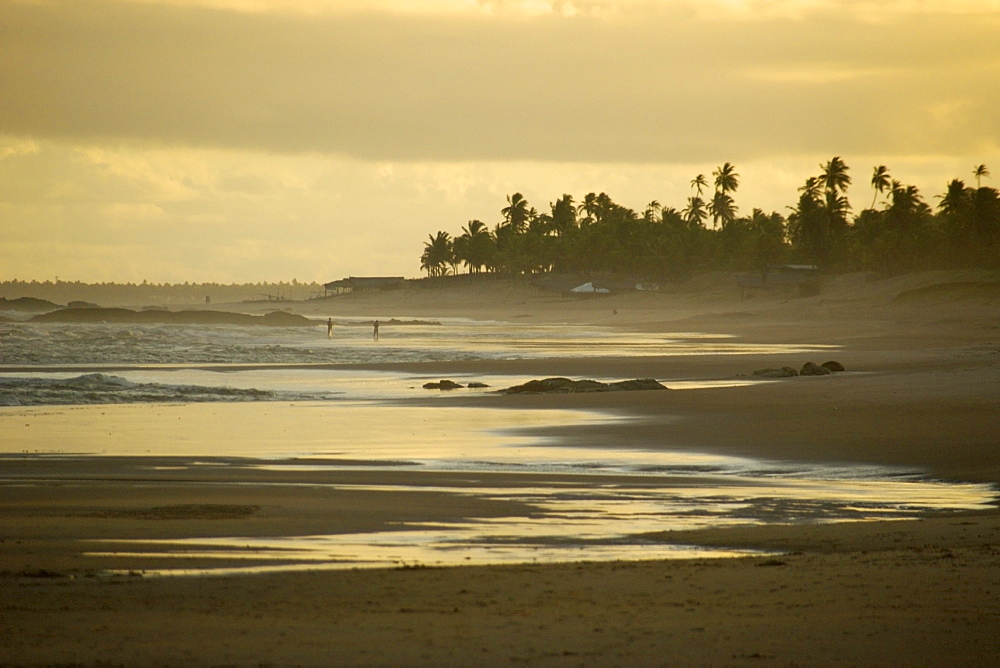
(653, 83)
(236, 140)
(129, 214)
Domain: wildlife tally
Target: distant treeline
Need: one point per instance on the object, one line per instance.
(154, 294)
(898, 231)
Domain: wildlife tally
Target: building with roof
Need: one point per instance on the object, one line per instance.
(358, 283)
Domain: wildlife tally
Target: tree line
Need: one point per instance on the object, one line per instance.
(146, 293)
(898, 231)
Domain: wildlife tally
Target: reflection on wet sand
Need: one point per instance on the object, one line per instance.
(557, 502)
(566, 522)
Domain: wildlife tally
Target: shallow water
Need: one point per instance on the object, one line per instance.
(60, 364)
(149, 391)
(586, 522)
(590, 502)
(410, 340)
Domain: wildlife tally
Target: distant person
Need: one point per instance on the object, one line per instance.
(208, 300)
(329, 328)
(375, 330)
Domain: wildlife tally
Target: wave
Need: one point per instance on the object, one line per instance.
(26, 344)
(100, 388)
(193, 317)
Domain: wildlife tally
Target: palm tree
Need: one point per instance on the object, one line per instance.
(437, 254)
(881, 181)
(726, 178)
(699, 183)
(511, 254)
(563, 215)
(605, 205)
(671, 216)
(722, 209)
(695, 213)
(986, 219)
(537, 245)
(589, 206)
(813, 188)
(516, 213)
(721, 206)
(834, 181)
(979, 172)
(474, 246)
(956, 199)
(768, 233)
(808, 225)
(652, 209)
(907, 205)
(835, 177)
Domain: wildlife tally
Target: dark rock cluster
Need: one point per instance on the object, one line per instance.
(557, 386)
(808, 369)
(567, 386)
(452, 385)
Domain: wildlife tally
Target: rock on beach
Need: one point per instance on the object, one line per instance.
(567, 386)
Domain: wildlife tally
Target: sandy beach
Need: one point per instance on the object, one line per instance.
(921, 391)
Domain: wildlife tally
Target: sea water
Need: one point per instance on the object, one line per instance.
(320, 408)
(47, 364)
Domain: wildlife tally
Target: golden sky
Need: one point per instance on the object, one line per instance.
(245, 140)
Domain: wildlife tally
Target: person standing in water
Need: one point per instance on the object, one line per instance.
(329, 328)
(375, 330)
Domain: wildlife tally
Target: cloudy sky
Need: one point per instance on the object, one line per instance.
(266, 140)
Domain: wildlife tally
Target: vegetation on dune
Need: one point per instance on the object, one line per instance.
(898, 232)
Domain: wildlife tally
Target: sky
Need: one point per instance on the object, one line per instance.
(270, 140)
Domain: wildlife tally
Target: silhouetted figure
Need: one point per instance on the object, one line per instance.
(329, 328)
(375, 330)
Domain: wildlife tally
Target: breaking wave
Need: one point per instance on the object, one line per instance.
(99, 388)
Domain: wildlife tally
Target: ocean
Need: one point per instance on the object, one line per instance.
(81, 390)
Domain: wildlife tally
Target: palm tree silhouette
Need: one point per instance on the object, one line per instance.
(808, 223)
(881, 181)
(954, 198)
(906, 200)
(835, 177)
(437, 254)
(652, 209)
(834, 181)
(563, 215)
(722, 208)
(516, 213)
(589, 207)
(979, 172)
(473, 246)
(699, 183)
(726, 178)
(694, 213)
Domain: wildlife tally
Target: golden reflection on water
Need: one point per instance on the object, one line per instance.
(570, 521)
(275, 430)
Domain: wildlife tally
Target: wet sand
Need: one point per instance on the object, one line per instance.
(921, 390)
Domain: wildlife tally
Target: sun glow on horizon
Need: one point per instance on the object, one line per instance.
(185, 139)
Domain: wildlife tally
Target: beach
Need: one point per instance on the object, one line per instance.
(920, 392)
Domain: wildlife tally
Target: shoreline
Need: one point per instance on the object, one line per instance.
(921, 389)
